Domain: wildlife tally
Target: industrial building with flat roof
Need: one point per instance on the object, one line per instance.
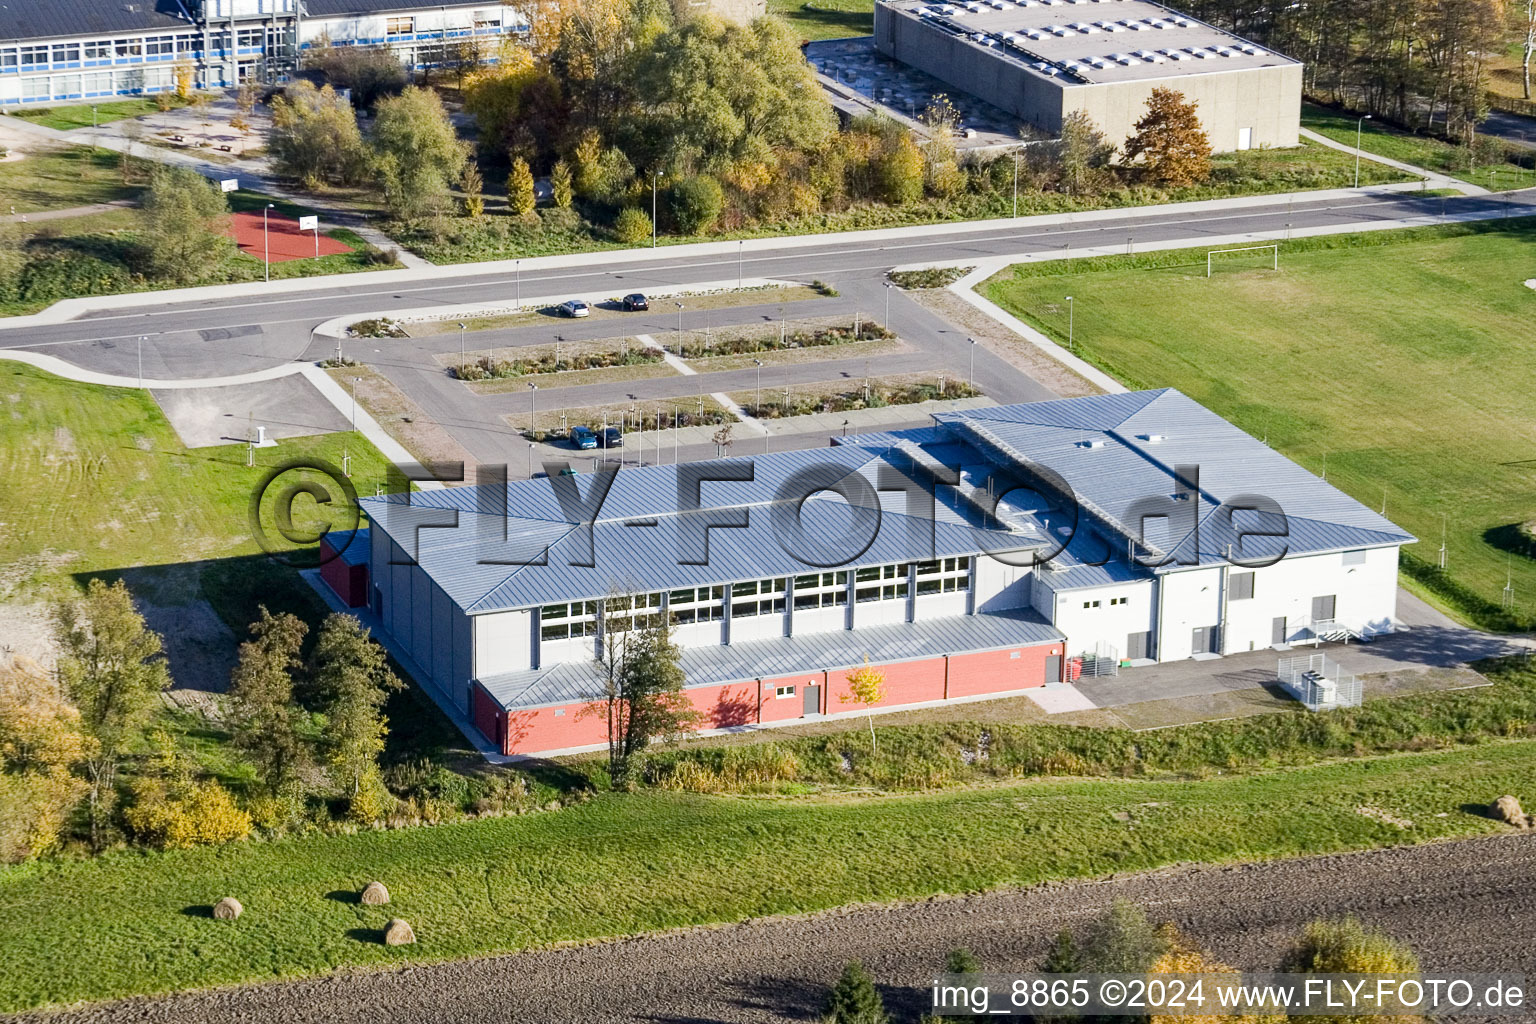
(995, 551)
(1040, 60)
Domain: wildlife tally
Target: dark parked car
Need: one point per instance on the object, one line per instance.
(612, 437)
(584, 438)
(635, 302)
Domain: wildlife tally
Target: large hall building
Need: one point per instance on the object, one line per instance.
(994, 551)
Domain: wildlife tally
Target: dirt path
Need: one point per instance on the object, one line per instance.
(1463, 906)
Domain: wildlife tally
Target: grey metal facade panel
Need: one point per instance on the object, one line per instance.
(574, 682)
(64, 19)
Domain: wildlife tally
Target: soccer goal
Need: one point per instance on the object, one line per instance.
(1246, 261)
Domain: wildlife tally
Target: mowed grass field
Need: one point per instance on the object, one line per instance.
(1407, 362)
(622, 864)
(97, 480)
(826, 19)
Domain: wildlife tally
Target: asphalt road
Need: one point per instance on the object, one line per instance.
(1462, 906)
(215, 338)
(209, 338)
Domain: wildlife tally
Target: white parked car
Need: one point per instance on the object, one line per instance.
(574, 307)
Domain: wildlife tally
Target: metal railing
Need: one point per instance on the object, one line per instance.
(1319, 682)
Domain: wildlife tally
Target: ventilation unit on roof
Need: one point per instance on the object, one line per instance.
(1092, 442)
(1152, 438)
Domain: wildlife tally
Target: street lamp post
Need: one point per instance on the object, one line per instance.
(971, 376)
(141, 360)
(1359, 128)
(530, 460)
(1015, 183)
(266, 243)
(1069, 323)
(655, 177)
(355, 381)
(741, 257)
(679, 306)
(519, 269)
(888, 287)
(533, 414)
(462, 328)
(758, 411)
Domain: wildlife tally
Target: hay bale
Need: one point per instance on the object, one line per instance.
(374, 894)
(398, 932)
(227, 909)
(1507, 809)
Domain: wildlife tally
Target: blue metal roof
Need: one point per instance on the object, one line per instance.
(351, 546)
(707, 665)
(1114, 451)
(1117, 450)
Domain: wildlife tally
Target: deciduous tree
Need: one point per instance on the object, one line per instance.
(314, 137)
(866, 686)
(268, 723)
(419, 154)
(643, 698)
(1082, 155)
(185, 222)
(352, 679)
(41, 743)
(111, 667)
(473, 186)
(1169, 140)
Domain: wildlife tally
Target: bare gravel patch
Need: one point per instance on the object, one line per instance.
(1005, 343)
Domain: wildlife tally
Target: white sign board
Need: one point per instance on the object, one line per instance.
(229, 184)
(309, 223)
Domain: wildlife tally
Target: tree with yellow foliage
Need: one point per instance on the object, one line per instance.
(866, 686)
(1182, 957)
(41, 742)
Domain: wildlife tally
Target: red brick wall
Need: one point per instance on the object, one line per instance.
(906, 682)
(529, 732)
(350, 582)
(909, 682)
(486, 715)
(999, 671)
(781, 710)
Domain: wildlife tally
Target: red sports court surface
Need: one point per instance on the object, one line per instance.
(284, 238)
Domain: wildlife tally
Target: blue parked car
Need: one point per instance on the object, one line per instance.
(583, 438)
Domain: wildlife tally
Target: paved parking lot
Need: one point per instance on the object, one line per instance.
(1426, 640)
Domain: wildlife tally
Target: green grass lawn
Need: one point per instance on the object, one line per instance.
(1405, 360)
(99, 481)
(1419, 150)
(826, 19)
(633, 863)
(80, 115)
(61, 178)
